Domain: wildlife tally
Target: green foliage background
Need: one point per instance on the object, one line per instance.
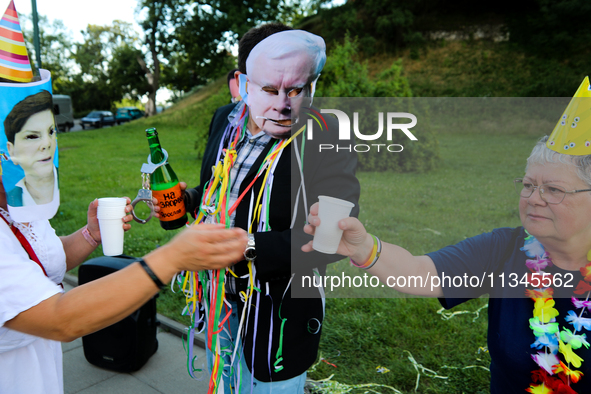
(345, 75)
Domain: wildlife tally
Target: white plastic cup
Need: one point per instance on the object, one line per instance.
(328, 235)
(111, 236)
(110, 212)
(112, 202)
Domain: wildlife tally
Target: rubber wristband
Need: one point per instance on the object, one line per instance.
(378, 253)
(88, 237)
(373, 257)
(151, 273)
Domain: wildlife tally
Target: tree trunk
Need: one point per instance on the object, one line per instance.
(153, 77)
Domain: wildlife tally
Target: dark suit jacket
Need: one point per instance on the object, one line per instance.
(278, 251)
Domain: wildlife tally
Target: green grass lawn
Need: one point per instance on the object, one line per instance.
(470, 192)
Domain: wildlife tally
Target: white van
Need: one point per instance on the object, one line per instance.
(63, 111)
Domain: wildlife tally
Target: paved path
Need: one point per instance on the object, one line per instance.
(165, 372)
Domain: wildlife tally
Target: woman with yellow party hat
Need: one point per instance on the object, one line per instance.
(538, 276)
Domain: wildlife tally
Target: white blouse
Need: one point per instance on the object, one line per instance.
(29, 364)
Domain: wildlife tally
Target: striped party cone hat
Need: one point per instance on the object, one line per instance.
(14, 61)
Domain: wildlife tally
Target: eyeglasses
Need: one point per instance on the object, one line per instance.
(551, 194)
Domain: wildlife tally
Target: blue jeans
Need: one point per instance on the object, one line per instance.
(248, 383)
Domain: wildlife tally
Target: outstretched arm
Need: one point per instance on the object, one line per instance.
(395, 261)
(100, 303)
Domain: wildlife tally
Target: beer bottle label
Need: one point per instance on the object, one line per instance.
(171, 203)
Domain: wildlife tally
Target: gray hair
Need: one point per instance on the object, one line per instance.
(287, 43)
(541, 154)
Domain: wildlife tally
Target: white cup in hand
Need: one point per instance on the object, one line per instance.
(328, 235)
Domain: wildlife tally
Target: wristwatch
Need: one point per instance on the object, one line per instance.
(250, 253)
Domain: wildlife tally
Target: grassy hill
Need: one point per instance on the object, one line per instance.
(465, 49)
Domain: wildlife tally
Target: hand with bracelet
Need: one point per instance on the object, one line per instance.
(356, 243)
(80, 244)
(35, 313)
(535, 322)
(92, 306)
(381, 259)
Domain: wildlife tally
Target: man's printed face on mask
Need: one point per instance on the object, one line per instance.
(276, 88)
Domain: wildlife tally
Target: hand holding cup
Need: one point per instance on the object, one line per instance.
(352, 242)
(328, 234)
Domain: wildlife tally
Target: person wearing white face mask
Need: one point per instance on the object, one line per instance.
(273, 337)
(31, 135)
(35, 313)
(279, 76)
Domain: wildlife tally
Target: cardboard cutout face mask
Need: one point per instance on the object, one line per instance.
(28, 149)
(28, 146)
(281, 71)
(34, 146)
(276, 91)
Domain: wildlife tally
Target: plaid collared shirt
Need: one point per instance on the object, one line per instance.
(248, 150)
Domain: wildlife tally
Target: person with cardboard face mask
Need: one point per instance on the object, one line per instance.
(31, 141)
(279, 75)
(35, 313)
(255, 147)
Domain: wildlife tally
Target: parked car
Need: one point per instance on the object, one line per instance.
(126, 114)
(63, 112)
(98, 119)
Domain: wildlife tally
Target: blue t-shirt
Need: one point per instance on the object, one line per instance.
(509, 311)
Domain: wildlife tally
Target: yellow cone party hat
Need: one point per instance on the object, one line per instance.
(572, 134)
(14, 61)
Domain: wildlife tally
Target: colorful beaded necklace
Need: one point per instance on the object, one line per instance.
(555, 375)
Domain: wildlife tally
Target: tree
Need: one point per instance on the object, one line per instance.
(100, 43)
(198, 53)
(158, 28)
(126, 75)
(108, 69)
(196, 38)
(552, 29)
(56, 54)
(206, 31)
(97, 72)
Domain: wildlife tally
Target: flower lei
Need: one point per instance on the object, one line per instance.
(554, 375)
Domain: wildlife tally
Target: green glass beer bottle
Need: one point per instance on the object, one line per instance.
(165, 187)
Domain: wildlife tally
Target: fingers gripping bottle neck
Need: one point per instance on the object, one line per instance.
(165, 187)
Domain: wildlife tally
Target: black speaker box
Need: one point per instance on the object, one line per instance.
(127, 345)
